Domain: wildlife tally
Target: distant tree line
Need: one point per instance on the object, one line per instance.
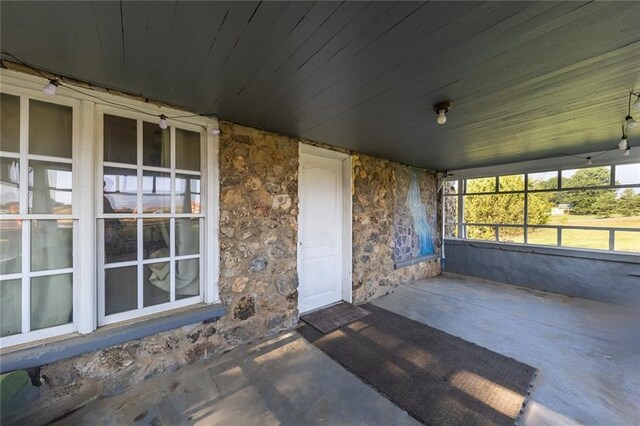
(509, 208)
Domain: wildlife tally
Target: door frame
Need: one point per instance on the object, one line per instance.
(347, 181)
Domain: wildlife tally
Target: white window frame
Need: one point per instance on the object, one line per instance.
(140, 168)
(26, 274)
(87, 105)
(461, 226)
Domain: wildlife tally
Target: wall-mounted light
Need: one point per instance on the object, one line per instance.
(589, 161)
(163, 122)
(623, 144)
(441, 108)
(627, 152)
(51, 87)
(215, 131)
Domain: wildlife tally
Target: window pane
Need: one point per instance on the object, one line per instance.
(51, 244)
(587, 177)
(511, 183)
(187, 150)
(583, 207)
(187, 278)
(498, 208)
(187, 236)
(155, 238)
(120, 190)
(481, 185)
(542, 236)
(628, 174)
(10, 307)
(544, 207)
(543, 180)
(120, 240)
(50, 187)
(156, 283)
(51, 301)
(120, 136)
(481, 233)
(451, 187)
(156, 145)
(9, 186)
(50, 131)
(585, 238)
(10, 246)
(187, 194)
(627, 241)
(9, 123)
(628, 207)
(121, 289)
(510, 234)
(156, 192)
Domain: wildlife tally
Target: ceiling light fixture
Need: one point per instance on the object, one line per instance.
(163, 122)
(630, 122)
(441, 108)
(51, 87)
(623, 144)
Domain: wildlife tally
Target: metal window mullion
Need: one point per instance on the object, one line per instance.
(26, 279)
(140, 266)
(559, 236)
(526, 208)
(612, 239)
(461, 190)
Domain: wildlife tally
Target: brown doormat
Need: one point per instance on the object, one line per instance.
(334, 317)
(438, 378)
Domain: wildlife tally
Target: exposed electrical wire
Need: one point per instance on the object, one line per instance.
(57, 80)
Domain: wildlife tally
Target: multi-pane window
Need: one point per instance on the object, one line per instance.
(37, 217)
(104, 216)
(592, 207)
(150, 219)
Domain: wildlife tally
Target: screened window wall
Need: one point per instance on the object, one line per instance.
(586, 208)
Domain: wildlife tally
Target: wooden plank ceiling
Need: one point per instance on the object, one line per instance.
(527, 79)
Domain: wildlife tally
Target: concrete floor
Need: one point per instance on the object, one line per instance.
(587, 354)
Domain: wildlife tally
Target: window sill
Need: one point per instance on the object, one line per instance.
(43, 352)
(550, 251)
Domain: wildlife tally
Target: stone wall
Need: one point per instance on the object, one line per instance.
(258, 284)
(258, 232)
(375, 194)
(258, 277)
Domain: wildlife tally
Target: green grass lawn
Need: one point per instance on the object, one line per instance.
(593, 239)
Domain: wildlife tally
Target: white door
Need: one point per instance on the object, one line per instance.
(320, 231)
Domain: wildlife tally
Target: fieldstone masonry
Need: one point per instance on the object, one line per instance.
(375, 195)
(258, 278)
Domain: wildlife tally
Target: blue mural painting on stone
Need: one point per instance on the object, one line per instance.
(420, 223)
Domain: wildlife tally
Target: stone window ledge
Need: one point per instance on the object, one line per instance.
(43, 352)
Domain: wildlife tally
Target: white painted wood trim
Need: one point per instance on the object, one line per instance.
(85, 302)
(211, 254)
(347, 214)
(347, 235)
